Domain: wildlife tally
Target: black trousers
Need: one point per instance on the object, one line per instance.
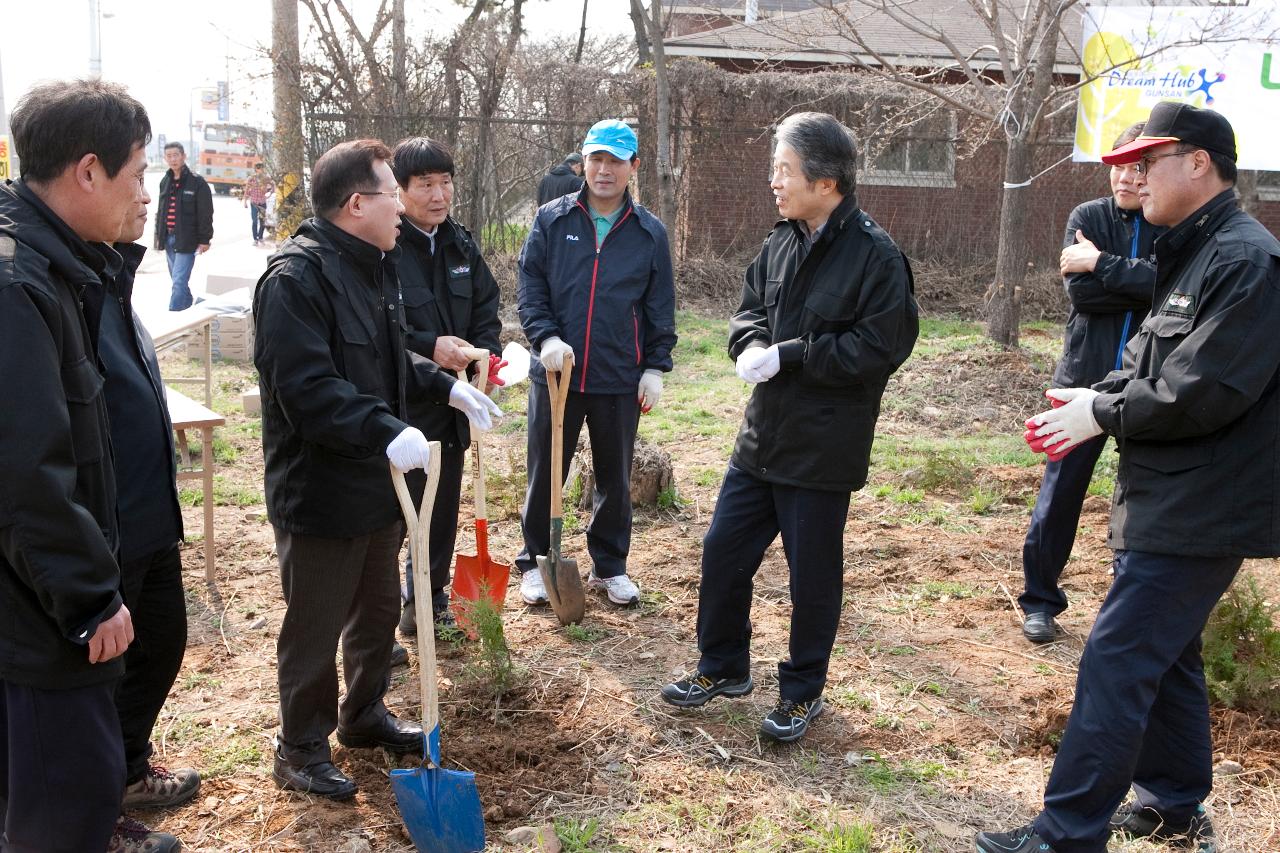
(1141, 713)
(61, 768)
(611, 421)
(444, 526)
(153, 593)
(336, 590)
(749, 515)
(1052, 531)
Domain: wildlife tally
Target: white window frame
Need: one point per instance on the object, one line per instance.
(868, 174)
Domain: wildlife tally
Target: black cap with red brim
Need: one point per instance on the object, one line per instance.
(1172, 121)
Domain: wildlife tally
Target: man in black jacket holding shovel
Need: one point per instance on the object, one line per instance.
(827, 315)
(335, 380)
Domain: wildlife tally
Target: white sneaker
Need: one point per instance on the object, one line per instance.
(532, 589)
(620, 589)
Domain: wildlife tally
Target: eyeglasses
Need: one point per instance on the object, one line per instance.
(393, 193)
(1143, 166)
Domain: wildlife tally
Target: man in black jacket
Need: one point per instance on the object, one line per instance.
(827, 315)
(184, 222)
(1196, 414)
(561, 179)
(1108, 270)
(65, 626)
(450, 302)
(150, 533)
(335, 379)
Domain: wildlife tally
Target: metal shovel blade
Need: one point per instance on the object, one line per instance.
(441, 808)
(563, 582)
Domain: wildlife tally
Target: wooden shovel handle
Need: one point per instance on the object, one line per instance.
(558, 391)
(419, 527)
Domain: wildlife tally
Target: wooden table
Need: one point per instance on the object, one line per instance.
(188, 414)
(172, 327)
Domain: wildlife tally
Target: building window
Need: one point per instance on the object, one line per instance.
(1269, 186)
(920, 155)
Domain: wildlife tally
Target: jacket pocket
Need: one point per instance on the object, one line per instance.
(1168, 325)
(833, 308)
(1169, 458)
(772, 290)
(82, 385)
(359, 357)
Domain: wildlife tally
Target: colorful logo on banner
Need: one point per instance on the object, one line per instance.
(6, 165)
(1136, 57)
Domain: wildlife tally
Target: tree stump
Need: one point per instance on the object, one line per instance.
(651, 474)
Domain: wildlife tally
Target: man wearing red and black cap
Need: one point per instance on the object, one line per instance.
(1195, 411)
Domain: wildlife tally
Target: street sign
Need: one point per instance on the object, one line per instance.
(208, 99)
(224, 102)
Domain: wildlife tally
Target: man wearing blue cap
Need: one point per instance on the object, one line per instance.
(596, 286)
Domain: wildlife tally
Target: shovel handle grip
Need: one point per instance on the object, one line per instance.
(419, 527)
(558, 391)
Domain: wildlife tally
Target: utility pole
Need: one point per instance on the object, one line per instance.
(95, 40)
(287, 148)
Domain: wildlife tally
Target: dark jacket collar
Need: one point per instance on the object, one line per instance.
(846, 210)
(71, 257)
(365, 256)
(1205, 220)
(446, 234)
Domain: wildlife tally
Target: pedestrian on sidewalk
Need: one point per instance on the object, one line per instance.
(66, 627)
(595, 285)
(257, 190)
(1108, 269)
(561, 179)
(827, 315)
(184, 222)
(1195, 410)
(335, 379)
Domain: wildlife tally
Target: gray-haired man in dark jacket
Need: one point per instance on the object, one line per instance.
(827, 315)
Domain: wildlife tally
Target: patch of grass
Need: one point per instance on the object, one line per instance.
(703, 397)
(669, 498)
(886, 777)
(585, 633)
(942, 590)
(838, 837)
(192, 680)
(707, 477)
(225, 493)
(579, 836)
(1103, 482)
(653, 601)
(228, 755)
(984, 499)
(1242, 650)
(851, 697)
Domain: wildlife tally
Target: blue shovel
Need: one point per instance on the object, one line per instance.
(441, 808)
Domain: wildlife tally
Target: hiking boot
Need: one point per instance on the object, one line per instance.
(619, 589)
(698, 689)
(160, 788)
(447, 629)
(788, 721)
(1195, 832)
(131, 836)
(1021, 840)
(1040, 628)
(532, 590)
(399, 654)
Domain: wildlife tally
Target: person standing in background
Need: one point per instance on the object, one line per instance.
(184, 222)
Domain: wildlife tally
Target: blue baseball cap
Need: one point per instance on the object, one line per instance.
(613, 136)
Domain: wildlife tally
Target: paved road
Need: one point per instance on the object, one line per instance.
(231, 253)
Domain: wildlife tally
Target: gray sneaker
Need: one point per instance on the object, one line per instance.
(131, 836)
(160, 788)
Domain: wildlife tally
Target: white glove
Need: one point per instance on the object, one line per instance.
(650, 390)
(552, 353)
(475, 404)
(758, 364)
(409, 450)
(1066, 426)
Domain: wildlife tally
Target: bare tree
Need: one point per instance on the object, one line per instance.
(287, 144)
(662, 123)
(643, 48)
(1008, 79)
(582, 35)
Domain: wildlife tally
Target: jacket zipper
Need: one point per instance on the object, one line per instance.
(591, 301)
(635, 325)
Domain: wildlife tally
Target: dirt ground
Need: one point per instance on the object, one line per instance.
(941, 719)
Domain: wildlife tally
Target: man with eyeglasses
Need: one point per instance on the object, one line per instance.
(1108, 271)
(336, 379)
(1196, 415)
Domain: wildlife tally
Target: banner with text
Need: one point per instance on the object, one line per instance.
(6, 165)
(1216, 57)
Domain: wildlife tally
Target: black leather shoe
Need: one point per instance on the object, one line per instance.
(409, 619)
(392, 734)
(1040, 628)
(322, 779)
(399, 655)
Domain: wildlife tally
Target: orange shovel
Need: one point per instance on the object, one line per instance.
(479, 577)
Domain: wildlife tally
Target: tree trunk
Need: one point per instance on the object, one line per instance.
(642, 32)
(1247, 189)
(287, 143)
(1004, 299)
(399, 49)
(662, 108)
(582, 35)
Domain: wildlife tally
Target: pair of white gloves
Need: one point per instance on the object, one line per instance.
(1066, 426)
(410, 449)
(759, 364)
(552, 354)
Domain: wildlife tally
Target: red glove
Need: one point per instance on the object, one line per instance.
(497, 362)
(1037, 443)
